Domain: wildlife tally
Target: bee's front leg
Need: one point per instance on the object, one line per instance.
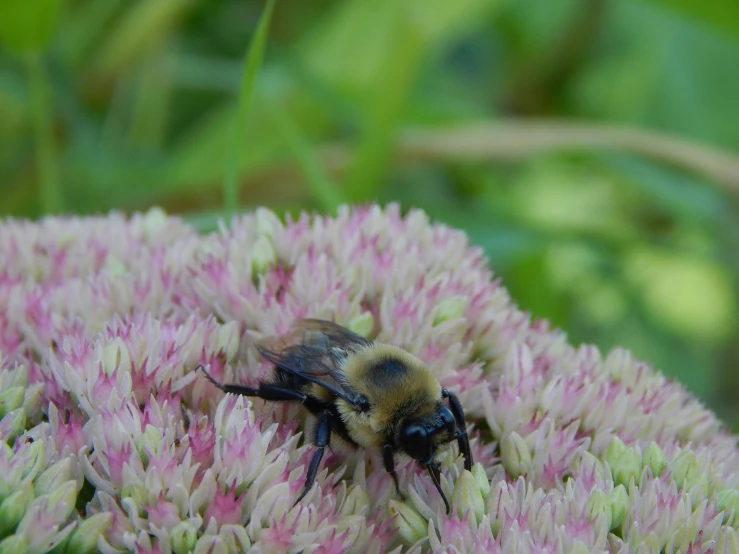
(463, 439)
(321, 440)
(389, 462)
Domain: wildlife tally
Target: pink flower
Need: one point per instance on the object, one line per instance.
(163, 514)
(104, 319)
(225, 508)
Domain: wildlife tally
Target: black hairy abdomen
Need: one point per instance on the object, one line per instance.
(290, 380)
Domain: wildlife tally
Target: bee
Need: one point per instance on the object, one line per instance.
(363, 394)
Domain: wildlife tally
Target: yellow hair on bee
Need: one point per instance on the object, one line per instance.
(361, 394)
(397, 385)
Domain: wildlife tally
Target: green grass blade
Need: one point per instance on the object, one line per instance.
(387, 102)
(143, 26)
(324, 191)
(252, 64)
(151, 103)
(52, 201)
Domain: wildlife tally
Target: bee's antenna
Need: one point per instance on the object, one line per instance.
(434, 472)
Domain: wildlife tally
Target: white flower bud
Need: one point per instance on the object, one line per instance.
(11, 399)
(64, 498)
(36, 458)
(411, 526)
(588, 462)
(267, 223)
(235, 538)
(34, 402)
(362, 324)
(83, 540)
(154, 221)
(727, 501)
(613, 451)
(227, 339)
(14, 544)
(14, 507)
(579, 547)
(263, 255)
(450, 308)
(597, 506)
(150, 440)
(727, 542)
(684, 468)
(468, 497)
(138, 495)
(183, 537)
(655, 459)
(356, 502)
(53, 477)
(625, 463)
(114, 267)
(620, 504)
(629, 466)
(515, 455)
(17, 424)
(17, 377)
(478, 472)
(210, 544)
(115, 355)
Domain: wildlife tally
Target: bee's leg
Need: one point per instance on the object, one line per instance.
(322, 438)
(389, 463)
(272, 393)
(434, 473)
(462, 439)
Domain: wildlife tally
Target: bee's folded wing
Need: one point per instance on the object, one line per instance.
(316, 350)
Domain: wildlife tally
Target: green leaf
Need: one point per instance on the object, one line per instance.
(719, 14)
(354, 40)
(252, 64)
(85, 27)
(321, 187)
(685, 197)
(144, 25)
(28, 25)
(530, 282)
(152, 102)
(388, 98)
(43, 118)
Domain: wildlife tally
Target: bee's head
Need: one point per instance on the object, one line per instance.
(420, 437)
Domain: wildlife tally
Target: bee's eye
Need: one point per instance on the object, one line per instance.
(416, 441)
(447, 422)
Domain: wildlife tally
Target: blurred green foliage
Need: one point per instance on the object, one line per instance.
(587, 145)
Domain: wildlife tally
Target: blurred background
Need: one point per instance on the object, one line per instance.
(589, 146)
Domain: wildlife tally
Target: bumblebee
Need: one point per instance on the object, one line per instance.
(363, 394)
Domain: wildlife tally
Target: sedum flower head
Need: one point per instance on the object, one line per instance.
(113, 443)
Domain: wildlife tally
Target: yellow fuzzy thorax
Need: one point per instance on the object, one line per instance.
(411, 392)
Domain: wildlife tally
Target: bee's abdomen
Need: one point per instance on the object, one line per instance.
(290, 380)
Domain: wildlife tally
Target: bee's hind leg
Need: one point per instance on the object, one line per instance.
(271, 393)
(227, 388)
(389, 462)
(321, 440)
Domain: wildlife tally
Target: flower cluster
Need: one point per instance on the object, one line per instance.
(114, 443)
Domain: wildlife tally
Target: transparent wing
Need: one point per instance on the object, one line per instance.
(315, 350)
